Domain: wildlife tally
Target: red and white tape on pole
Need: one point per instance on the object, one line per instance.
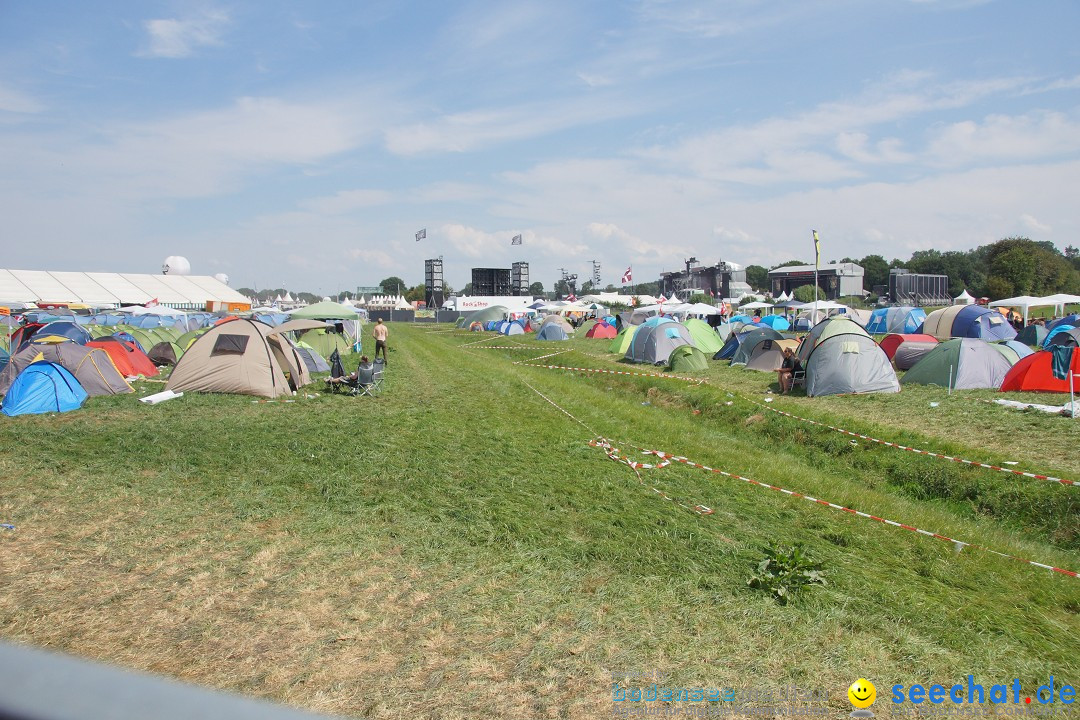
(917, 451)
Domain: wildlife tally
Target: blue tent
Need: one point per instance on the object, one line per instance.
(740, 318)
(903, 320)
(512, 328)
(43, 387)
(551, 331)
(776, 322)
(1057, 329)
(128, 337)
(1073, 320)
(65, 328)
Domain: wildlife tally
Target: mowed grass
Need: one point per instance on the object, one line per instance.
(456, 548)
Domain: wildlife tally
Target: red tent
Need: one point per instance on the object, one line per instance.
(1035, 374)
(889, 343)
(601, 330)
(127, 358)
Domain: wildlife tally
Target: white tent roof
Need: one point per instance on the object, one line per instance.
(103, 289)
(699, 309)
(965, 295)
(755, 306)
(1022, 301)
(1063, 299)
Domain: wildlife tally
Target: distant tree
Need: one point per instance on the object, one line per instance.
(805, 293)
(561, 289)
(701, 298)
(790, 263)
(537, 288)
(416, 293)
(586, 288)
(610, 288)
(392, 284)
(875, 271)
(757, 277)
(447, 289)
(307, 297)
(467, 290)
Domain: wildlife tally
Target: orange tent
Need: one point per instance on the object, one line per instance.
(127, 358)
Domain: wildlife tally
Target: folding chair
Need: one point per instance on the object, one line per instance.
(798, 379)
(364, 383)
(377, 375)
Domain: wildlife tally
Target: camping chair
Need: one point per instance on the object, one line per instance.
(798, 379)
(362, 383)
(377, 375)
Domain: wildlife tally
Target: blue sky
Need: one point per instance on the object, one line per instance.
(303, 144)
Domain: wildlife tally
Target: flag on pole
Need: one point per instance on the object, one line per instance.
(627, 276)
(152, 303)
(662, 299)
(817, 250)
(516, 240)
(421, 235)
(572, 297)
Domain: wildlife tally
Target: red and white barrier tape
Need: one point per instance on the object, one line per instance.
(930, 453)
(616, 455)
(613, 453)
(958, 544)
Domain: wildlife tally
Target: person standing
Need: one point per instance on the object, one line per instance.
(380, 332)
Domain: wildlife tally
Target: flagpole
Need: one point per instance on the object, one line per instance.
(817, 262)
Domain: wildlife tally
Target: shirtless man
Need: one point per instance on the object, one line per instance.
(379, 332)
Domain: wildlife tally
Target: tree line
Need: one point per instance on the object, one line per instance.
(1007, 268)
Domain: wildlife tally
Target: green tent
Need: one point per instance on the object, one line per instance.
(621, 342)
(687, 358)
(325, 310)
(185, 340)
(963, 363)
(325, 343)
(705, 338)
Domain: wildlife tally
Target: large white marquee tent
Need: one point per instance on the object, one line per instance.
(112, 290)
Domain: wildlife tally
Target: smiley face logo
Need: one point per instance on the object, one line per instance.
(862, 693)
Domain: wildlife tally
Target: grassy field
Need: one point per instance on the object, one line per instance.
(457, 548)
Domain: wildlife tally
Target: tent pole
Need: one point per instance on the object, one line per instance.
(950, 380)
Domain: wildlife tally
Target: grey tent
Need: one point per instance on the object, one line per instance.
(653, 343)
(92, 367)
(312, 359)
(750, 341)
(551, 331)
(840, 357)
(909, 352)
(963, 363)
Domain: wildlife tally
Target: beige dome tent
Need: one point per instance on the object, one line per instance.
(240, 356)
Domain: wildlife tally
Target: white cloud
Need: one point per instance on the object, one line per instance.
(482, 128)
(179, 38)
(1027, 137)
(16, 101)
(346, 201)
(1032, 224)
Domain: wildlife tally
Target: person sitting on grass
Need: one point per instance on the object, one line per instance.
(788, 368)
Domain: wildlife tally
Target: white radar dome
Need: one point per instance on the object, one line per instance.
(222, 278)
(176, 265)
